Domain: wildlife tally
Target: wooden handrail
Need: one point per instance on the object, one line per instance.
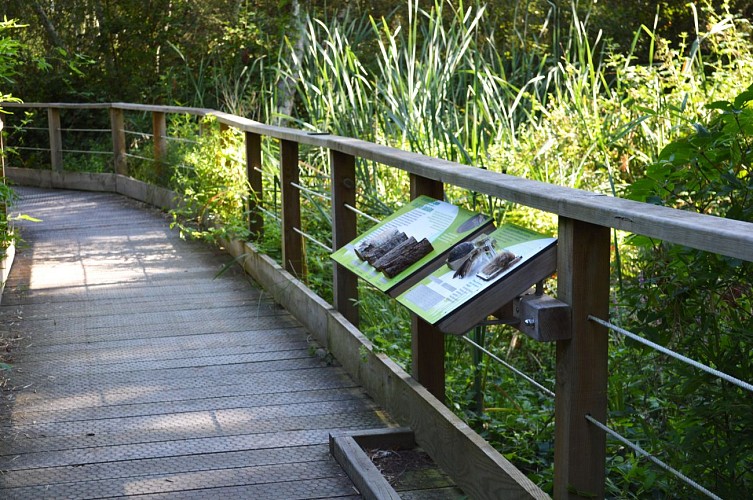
(704, 232)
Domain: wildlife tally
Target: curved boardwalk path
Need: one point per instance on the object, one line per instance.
(137, 373)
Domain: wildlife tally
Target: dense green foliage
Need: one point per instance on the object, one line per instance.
(214, 189)
(192, 52)
(699, 304)
(629, 99)
(9, 59)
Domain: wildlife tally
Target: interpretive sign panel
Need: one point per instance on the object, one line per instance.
(407, 245)
(494, 272)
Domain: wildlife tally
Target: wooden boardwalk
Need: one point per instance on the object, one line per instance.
(136, 372)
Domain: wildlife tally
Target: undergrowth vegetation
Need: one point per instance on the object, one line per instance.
(675, 129)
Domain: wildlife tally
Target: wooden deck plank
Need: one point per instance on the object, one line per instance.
(139, 372)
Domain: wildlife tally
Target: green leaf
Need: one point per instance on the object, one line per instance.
(722, 105)
(27, 218)
(743, 99)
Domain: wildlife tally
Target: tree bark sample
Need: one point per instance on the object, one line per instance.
(403, 256)
(376, 248)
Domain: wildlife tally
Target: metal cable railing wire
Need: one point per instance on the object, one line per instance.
(263, 173)
(84, 152)
(102, 130)
(362, 214)
(310, 191)
(131, 155)
(729, 378)
(271, 214)
(543, 389)
(26, 148)
(651, 458)
(18, 127)
(144, 135)
(181, 139)
(312, 239)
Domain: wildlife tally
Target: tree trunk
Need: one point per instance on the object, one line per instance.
(286, 86)
(49, 28)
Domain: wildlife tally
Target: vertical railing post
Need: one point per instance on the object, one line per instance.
(159, 131)
(4, 204)
(253, 174)
(117, 128)
(427, 342)
(345, 283)
(56, 139)
(581, 387)
(292, 244)
(2, 148)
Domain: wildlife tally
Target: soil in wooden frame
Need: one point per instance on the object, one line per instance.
(413, 474)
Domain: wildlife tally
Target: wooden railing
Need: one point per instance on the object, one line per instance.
(583, 262)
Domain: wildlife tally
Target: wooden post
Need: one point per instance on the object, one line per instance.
(159, 131)
(345, 283)
(2, 150)
(427, 342)
(581, 387)
(292, 244)
(253, 173)
(56, 139)
(4, 204)
(425, 186)
(117, 128)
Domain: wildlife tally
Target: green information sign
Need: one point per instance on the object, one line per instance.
(442, 224)
(443, 292)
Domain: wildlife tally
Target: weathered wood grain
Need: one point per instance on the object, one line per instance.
(482, 473)
(581, 380)
(159, 139)
(140, 373)
(343, 190)
(56, 139)
(117, 128)
(292, 242)
(704, 232)
(367, 478)
(256, 185)
(427, 341)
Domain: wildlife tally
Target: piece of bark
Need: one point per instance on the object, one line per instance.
(408, 255)
(369, 244)
(393, 254)
(373, 253)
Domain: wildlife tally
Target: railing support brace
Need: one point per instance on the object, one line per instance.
(581, 387)
(117, 127)
(343, 181)
(56, 139)
(292, 244)
(427, 342)
(253, 174)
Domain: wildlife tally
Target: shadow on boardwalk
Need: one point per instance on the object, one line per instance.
(138, 373)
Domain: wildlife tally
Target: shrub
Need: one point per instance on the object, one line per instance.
(698, 304)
